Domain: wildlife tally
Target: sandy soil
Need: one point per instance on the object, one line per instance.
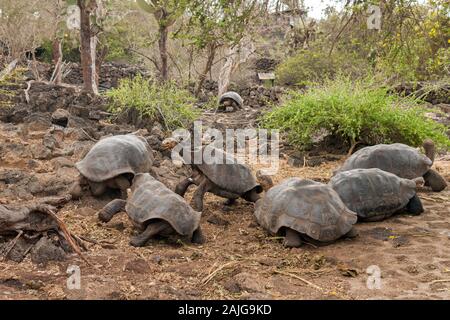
(239, 260)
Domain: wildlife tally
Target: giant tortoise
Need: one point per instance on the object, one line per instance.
(222, 175)
(230, 101)
(399, 159)
(155, 209)
(302, 209)
(375, 194)
(112, 163)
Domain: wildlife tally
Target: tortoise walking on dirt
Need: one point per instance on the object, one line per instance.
(112, 163)
(375, 194)
(401, 160)
(223, 176)
(155, 209)
(302, 209)
(230, 101)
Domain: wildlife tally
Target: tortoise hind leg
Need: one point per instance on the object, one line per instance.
(292, 239)
(414, 206)
(434, 180)
(152, 230)
(111, 209)
(182, 187)
(198, 237)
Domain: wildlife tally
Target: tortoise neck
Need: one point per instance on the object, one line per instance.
(430, 149)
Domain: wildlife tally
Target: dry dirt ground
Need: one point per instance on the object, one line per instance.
(239, 260)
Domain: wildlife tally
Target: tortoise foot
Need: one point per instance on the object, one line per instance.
(292, 239)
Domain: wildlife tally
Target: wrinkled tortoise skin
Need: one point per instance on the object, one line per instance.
(373, 192)
(116, 155)
(308, 207)
(150, 199)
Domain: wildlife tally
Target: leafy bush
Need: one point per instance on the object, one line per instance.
(314, 65)
(357, 112)
(159, 102)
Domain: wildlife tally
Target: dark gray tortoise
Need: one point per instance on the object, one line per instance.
(401, 160)
(305, 210)
(375, 194)
(155, 210)
(226, 178)
(230, 101)
(112, 163)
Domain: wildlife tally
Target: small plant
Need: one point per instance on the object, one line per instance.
(166, 103)
(9, 87)
(358, 112)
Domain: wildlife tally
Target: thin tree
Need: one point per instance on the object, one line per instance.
(166, 13)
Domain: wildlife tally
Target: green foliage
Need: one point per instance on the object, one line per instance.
(311, 66)
(357, 112)
(166, 12)
(70, 49)
(165, 102)
(218, 23)
(8, 87)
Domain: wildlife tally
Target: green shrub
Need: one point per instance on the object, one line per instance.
(166, 103)
(357, 112)
(314, 66)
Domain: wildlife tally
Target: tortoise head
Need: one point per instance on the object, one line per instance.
(264, 180)
(430, 149)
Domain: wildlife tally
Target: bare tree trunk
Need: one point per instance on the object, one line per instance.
(163, 35)
(57, 60)
(101, 56)
(88, 46)
(208, 66)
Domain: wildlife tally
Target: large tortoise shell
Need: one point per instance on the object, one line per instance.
(309, 207)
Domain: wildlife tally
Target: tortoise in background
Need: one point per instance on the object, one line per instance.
(230, 101)
(305, 210)
(155, 210)
(112, 163)
(399, 159)
(375, 194)
(225, 178)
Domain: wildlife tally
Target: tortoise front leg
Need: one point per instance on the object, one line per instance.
(182, 187)
(152, 229)
(199, 195)
(292, 239)
(198, 237)
(111, 209)
(414, 206)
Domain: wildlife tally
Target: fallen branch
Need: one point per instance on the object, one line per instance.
(66, 233)
(87, 135)
(27, 95)
(210, 276)
(11, 245)
(309, 283)
(439, 281)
